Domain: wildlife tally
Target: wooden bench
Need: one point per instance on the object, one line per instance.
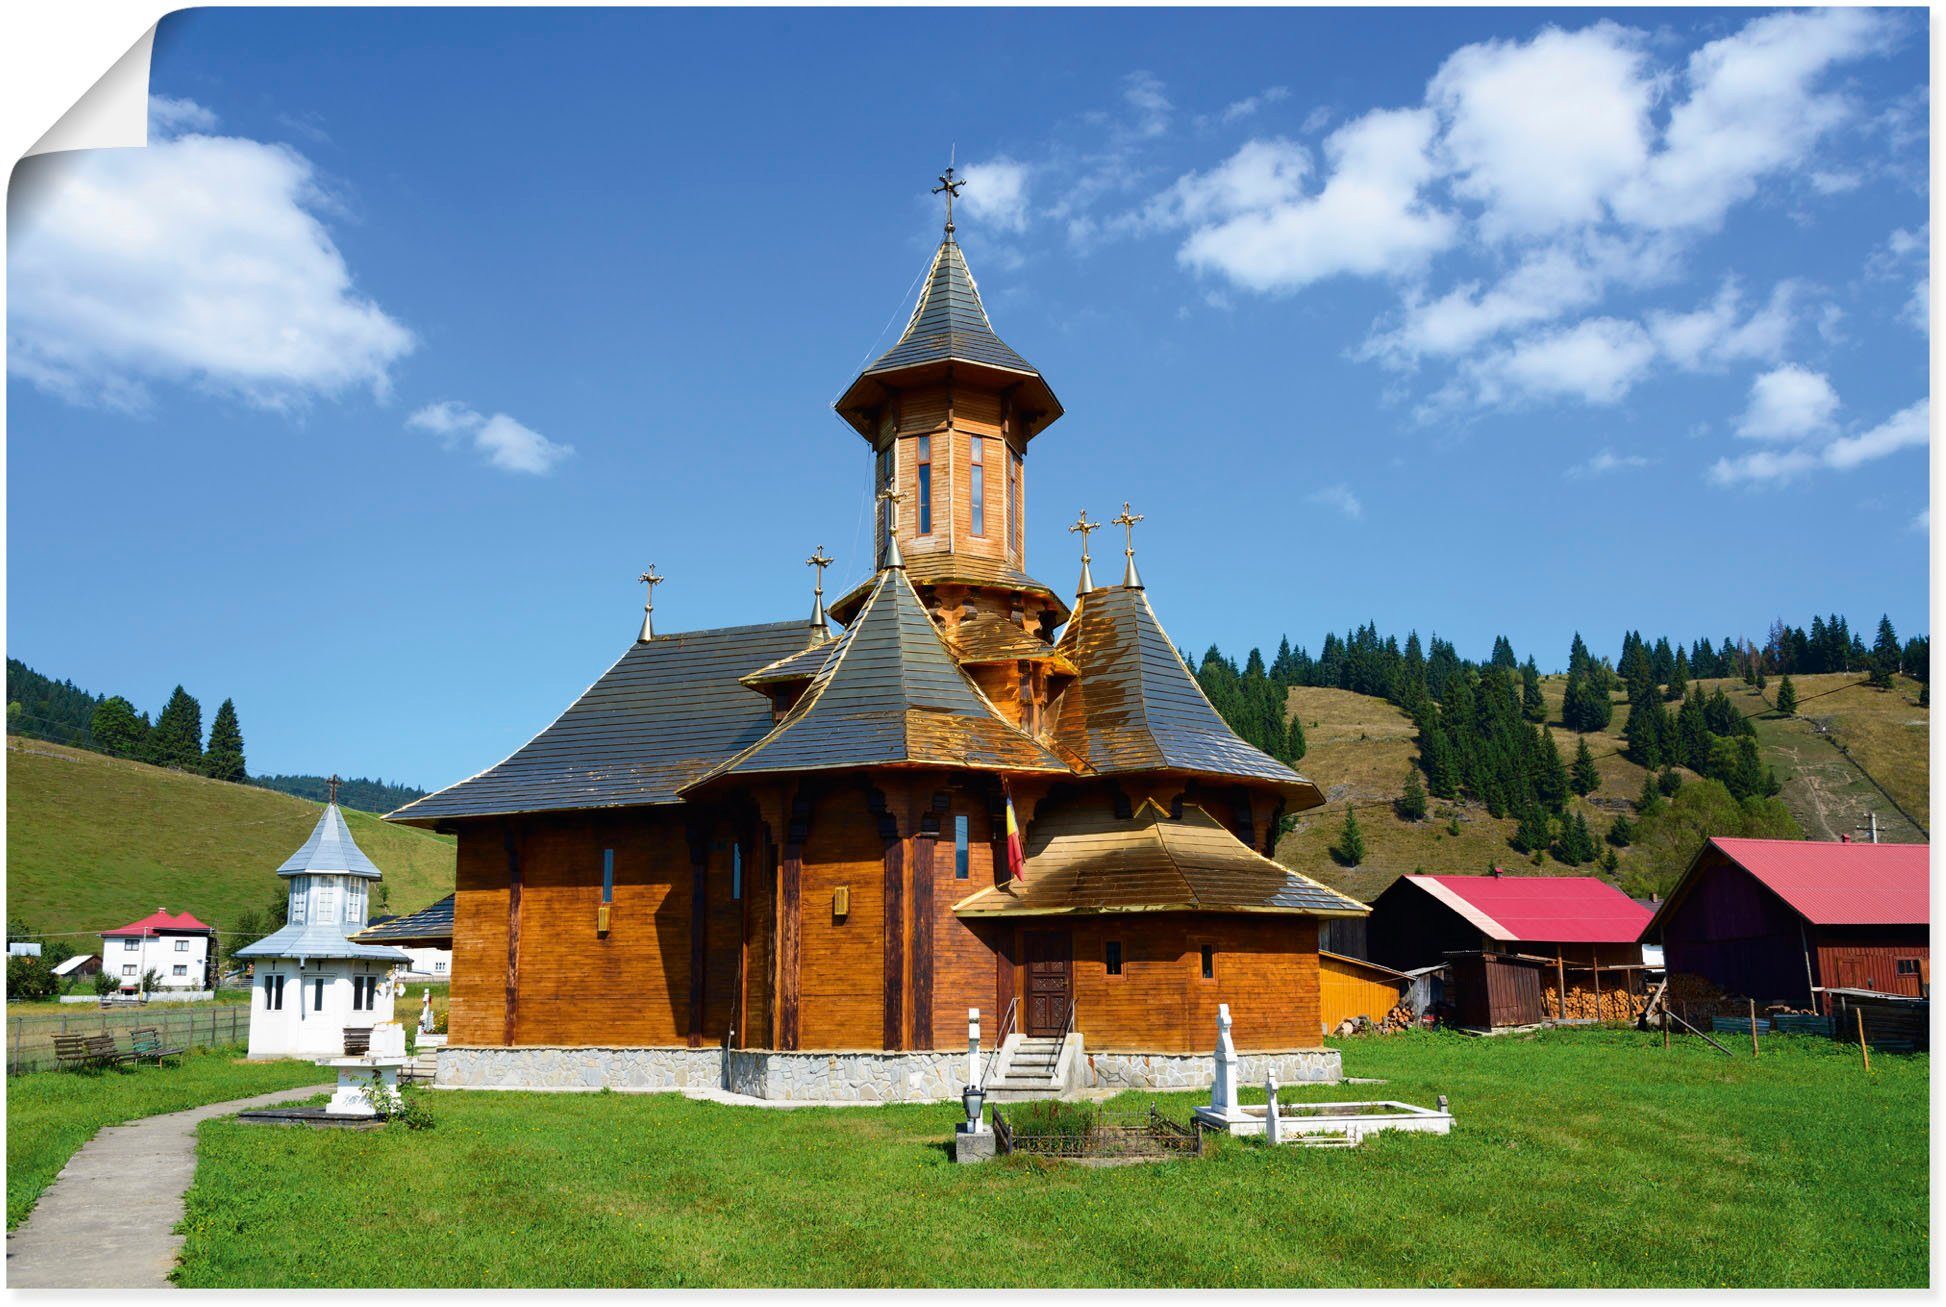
(75, 1051)
(145, 1045)
(358, 1041)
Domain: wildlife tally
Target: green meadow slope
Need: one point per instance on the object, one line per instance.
(1851, 749)
(95, 842)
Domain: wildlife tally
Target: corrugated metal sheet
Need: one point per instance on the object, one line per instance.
(669, 710)
(957, 569)
(990, 638)
(429, 927)
(319, 939)
(891, 694)
(1841, 884)
(1544, 909)
(1137, 708)
(1086, 860)
(330, 850)
(795, 667)
(159, 922)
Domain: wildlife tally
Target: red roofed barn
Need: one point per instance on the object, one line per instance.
(1513, 943)
(1785, 920)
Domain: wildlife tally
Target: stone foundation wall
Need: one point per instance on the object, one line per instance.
(848, 1077)
(1198, 1070)
(851, 1077)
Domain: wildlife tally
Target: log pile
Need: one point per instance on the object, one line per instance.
(1399, 1018)
(1614, 1004)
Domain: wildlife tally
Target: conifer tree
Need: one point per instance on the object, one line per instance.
(1412, 803)
(1609, 862)
(177, 739)
(1647, 726)
(1583, 778)
(1759, 679)
(1669, 781)
(1621, 831)
(1650, 800)
(1532, 706)
(1678, 678)
(1349, 851)
(1294, 745)
(1575, 846)
(117, 730)
(1533, 833)
(1787, 697)
(1550, 776)
(1885, 650)
(223, 760)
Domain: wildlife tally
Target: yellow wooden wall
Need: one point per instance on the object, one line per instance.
(1350, 988)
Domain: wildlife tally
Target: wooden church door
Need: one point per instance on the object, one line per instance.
(1050, 981)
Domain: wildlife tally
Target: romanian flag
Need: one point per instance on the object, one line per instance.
(1016, 848)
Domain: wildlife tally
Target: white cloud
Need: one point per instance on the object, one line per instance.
(1263, 174)
(1540, 133)
(1788, 403)
(1368, 220)
(1921, 521)
(1712, 337)
(1763, 467)
(1918, 307)
(1250, 104)
(1149, 107)
(199, 260)
(502, 441)
(1340, 497)
(168, 116)
(1753, 109)
(996, 193)
(1605, 462)
(1597, 361)
(1542, 287)
(1909, 428)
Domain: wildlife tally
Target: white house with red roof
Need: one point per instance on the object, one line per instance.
(1792, 921)
(174, 945)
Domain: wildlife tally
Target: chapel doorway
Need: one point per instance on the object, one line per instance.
(1050, 981)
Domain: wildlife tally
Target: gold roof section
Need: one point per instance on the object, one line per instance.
(990, 638)
(958, 569)
(1137, 708)
(1081, 860)
(891, 695)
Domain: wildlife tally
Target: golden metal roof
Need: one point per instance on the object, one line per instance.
(1083, 860)
(1137, 708)
(990, 638)
(958, 569)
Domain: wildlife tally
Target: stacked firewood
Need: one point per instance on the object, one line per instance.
(1399, 1018)
(1583, 1005)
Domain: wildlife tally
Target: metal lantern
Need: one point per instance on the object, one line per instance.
(974, 1097)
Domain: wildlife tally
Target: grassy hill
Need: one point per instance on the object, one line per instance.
(95, 842)
(1847, 743)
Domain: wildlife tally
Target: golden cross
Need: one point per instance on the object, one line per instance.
(820, 560)
(952, 189)
(1127, 522)
(1086, 528)
(651, 580)
(891, 498)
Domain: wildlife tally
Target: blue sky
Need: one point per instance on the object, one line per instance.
(363, 394)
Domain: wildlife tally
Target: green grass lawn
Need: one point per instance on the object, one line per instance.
(50, 1114)
(1580, 1158)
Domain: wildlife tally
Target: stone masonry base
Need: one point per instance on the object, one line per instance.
(853, 1077)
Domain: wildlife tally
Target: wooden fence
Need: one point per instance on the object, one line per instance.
(30, 1039)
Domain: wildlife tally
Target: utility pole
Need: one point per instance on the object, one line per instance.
(1869, 827)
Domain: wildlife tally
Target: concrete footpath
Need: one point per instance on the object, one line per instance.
(109, 1219)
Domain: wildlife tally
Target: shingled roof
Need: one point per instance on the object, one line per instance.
(891, 695)
(1081, 860)
(330, 851)
(949, 327)
(1137, 708)
(429, 927)
(669, 710)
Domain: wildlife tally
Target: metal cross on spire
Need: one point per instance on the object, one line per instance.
(331, 788)
(1127, 522)
(651, 580)
(820, 560)
(951, 189)
(890, 498)
(1086, 528)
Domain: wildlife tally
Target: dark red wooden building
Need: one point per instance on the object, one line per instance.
(1786, 920)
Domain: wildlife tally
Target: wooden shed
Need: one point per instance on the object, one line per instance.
(1786, 921)
(1351, 987)
(1520, 949)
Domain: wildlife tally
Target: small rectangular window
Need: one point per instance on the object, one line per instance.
(925, 485)
(608, 875)
(1209, 962)
(736, 871)
(884, 478)
(129, 970)
(317, 995)
(962, 850)
(130, 945)
(438, 966)
(1113, 957)
(979, 486)
(182, 946)
(179, 971)
(1908, 966)
(1016, 510)
(274, 993)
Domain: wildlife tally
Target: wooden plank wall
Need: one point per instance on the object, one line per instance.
(1347, 989)
(1266, 970)
(841, 969)
(963, 958)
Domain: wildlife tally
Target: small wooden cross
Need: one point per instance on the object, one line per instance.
(331, 788)
(951, 189)
(820, 560)
(1127, 522)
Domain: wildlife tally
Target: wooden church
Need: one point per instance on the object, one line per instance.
(744, 847)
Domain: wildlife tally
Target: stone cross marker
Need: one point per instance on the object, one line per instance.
(1272, 1131)
(1223, 1092)
(972, 1046)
